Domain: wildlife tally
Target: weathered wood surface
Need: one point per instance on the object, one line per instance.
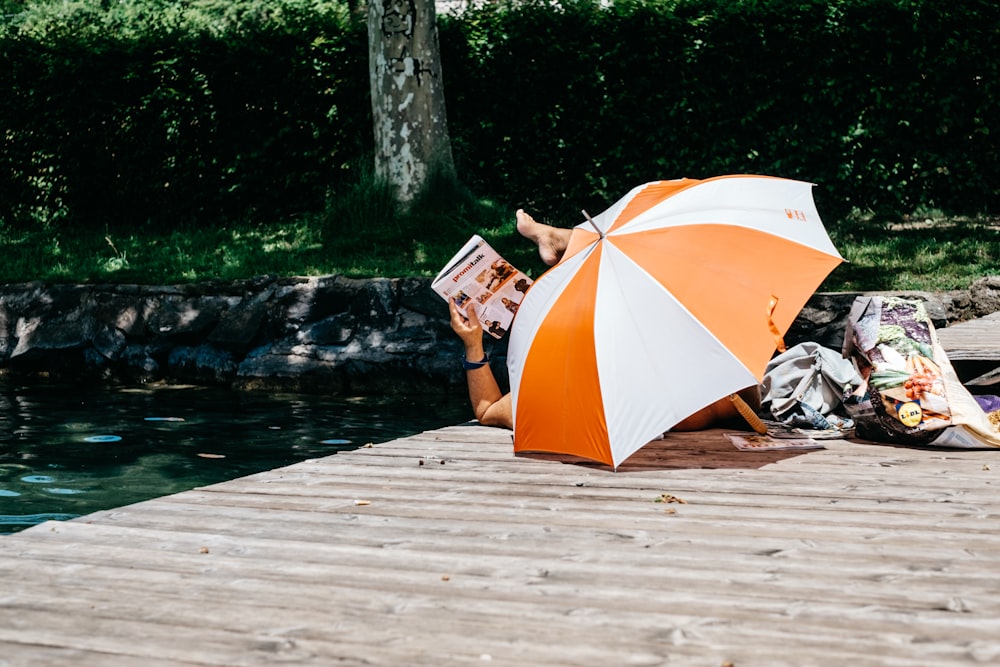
(973, 340)
(444, 549)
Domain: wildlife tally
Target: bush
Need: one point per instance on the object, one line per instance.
(145, 113)
(885, 104)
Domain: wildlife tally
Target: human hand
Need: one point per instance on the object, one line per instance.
(466, 325)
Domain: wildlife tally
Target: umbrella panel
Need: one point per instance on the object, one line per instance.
(727, 278)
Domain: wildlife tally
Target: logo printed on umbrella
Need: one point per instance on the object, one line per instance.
(795, 214)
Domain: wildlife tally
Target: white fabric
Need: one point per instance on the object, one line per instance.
(807, 373)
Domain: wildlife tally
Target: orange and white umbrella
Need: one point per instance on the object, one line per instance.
(673, 298)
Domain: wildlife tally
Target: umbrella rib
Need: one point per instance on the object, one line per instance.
(593, 224)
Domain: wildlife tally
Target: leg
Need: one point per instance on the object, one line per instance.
(721, 413)
(552, 241)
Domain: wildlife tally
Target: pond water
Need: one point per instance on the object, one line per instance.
(66, 451)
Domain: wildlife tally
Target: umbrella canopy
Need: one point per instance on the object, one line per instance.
(673, 298)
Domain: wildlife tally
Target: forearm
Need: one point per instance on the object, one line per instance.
(484, 391)
(490, 406)
(485, 397)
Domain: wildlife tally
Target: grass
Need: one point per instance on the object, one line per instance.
(931, 253)
(362, 235)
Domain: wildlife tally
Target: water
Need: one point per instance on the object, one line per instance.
(66, 451)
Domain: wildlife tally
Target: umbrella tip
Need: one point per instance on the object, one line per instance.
(592, 223)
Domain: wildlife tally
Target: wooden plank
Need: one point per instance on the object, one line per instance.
(902, 507)
(547, 570)
(974, 346)
(859, 554)
(26, 654)
(306, 601)
(430, 641)
(972, 340)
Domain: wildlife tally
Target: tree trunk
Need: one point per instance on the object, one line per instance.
(407, 91)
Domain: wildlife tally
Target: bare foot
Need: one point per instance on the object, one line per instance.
(551, 241)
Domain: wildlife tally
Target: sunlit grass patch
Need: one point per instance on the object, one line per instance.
(935, 255)
(350, 240)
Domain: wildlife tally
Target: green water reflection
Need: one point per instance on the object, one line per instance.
(66, 451)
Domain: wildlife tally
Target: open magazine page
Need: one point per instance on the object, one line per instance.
(754, 442)
(478, 273)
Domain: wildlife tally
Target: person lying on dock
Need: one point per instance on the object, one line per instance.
(493, 407)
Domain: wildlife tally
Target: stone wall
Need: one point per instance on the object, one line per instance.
(331, 334)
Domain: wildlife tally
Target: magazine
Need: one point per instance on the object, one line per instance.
(748, 442)
(478, 273)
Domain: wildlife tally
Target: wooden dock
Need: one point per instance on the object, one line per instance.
(976, 344)
(446, 549)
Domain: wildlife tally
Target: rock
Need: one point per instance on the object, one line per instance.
(329, 333)
(238, 327)
(137, 364)
(376, 302)
(334, 330)
(205, 364)
(182, 316)
(985, 295)
(109, 342)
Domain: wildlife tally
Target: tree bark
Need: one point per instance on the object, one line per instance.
(407, 92)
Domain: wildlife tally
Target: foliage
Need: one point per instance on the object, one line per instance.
(151, 112)
(226, 134)
(885, 104)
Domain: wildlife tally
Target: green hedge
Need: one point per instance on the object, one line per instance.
(158, 112)
(885, 104)
(137, 115)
